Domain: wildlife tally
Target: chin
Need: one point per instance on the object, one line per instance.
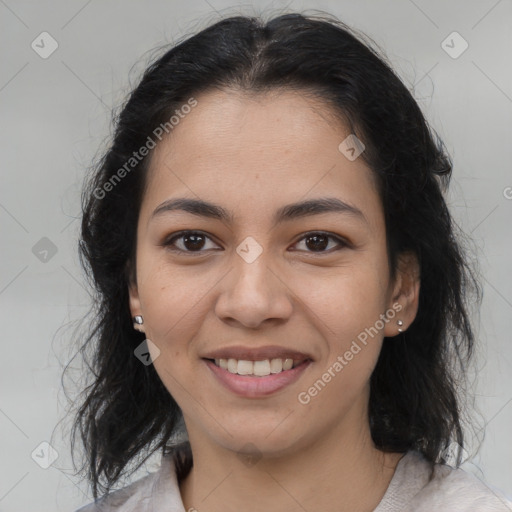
(254, 439)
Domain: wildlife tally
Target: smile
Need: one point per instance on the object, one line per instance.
(257, 368)
(256, 379)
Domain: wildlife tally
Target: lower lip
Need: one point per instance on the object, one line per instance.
(254, 387)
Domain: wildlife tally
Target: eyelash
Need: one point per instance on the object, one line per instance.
(169, 242)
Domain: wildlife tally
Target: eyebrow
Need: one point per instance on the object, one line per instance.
(285, 213)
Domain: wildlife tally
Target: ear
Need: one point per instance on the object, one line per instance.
(405, 296)
(134, 300)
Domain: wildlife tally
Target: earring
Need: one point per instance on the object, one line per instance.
(400, 323)
(138, 321)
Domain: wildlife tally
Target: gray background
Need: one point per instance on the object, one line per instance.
(55, 114)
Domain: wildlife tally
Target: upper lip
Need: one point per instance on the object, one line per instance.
(256, 353)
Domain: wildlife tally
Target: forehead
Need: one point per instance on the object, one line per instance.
(257, 149)
(236, 123)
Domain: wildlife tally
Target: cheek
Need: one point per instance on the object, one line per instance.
(173, 303)
(346, 300)
(173, 311)
(348, 305)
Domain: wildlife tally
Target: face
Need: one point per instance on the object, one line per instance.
(255, 279)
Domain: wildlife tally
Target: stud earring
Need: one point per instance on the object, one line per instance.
(138, 320)
(400, 323)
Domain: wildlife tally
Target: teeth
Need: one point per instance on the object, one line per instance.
(261, 368)
(245, 367)
(288, 363)
(257, 368)
(276, 365)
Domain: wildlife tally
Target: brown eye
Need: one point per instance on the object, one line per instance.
(319, 241)
(191, 241)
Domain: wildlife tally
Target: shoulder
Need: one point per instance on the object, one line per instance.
(453, 490)
(126, 499)
(152, 493)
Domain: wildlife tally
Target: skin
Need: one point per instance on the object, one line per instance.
(251, 155)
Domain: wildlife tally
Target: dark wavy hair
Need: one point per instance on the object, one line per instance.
(126, 414)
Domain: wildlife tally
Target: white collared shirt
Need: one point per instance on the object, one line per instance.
(450, 490)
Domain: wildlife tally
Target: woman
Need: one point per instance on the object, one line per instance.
(279, 283)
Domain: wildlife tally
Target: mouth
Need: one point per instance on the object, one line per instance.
(259, 368)
(256, 372)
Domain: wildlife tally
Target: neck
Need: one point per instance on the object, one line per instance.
(347, 475)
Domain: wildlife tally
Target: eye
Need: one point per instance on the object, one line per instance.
(319, 240)
(192, 241)
(195, 241)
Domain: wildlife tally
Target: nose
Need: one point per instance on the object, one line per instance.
(253, 294)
